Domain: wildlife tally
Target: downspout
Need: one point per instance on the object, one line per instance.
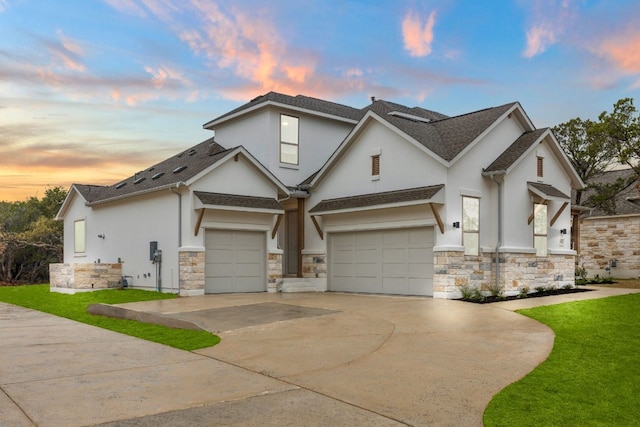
(498, 178)
(176, 190)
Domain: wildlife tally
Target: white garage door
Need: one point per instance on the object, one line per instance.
(382, 261)
(235, 261)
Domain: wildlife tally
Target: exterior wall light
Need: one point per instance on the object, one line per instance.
(456, 224)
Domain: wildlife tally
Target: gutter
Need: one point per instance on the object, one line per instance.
(498, 178)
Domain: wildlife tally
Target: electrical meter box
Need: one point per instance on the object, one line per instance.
(153, 248)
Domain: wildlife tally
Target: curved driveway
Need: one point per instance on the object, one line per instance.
(285, 359)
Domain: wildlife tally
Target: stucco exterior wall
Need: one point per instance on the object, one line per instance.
(605, 238)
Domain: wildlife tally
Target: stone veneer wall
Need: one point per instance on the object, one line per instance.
(82, 277)
(314, 265)
(605, 238)
(191, 272)
(274, 271)
(517, 271)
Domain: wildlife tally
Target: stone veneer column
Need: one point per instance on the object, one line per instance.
(314, 265)
(274, 271)
(191, 272)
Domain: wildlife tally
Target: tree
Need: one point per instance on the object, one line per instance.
(30, 238)
(586, 148)
(596, 147)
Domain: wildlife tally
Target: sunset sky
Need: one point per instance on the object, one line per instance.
(92, 91)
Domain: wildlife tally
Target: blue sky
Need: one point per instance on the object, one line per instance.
(92, 91)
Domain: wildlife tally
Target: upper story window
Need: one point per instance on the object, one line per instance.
(471, 225)
(79, 236)
(540, 229)
(289, 139)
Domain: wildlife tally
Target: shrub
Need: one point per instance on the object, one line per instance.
(470, 293)
(495, 291)
(523, 292)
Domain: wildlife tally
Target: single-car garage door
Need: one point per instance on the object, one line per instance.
(398, 261)
(235, 261)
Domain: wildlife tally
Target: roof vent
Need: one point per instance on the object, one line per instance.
(192, 152)
(119, 186)
(150, 169)
(139, 180)
(179, 169)
(158, 175)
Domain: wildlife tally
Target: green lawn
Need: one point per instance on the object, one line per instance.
(75, 306)
(592, 376)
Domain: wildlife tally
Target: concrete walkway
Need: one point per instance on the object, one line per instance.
(285, 359)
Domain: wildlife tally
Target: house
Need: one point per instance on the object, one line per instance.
(298, 193)
(608, 243)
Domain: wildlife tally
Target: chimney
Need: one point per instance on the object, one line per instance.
(373, 99)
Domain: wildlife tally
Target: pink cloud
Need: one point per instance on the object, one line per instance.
(624, 51)
(418, 38)
(548, 22)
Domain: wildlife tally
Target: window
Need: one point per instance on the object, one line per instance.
(375, 165)
(79, 236)
(540, 166)
(471, 225)
(288, 139)
(540, 229)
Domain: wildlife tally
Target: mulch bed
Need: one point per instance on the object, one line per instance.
(489, 299)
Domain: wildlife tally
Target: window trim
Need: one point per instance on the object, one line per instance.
(466, 232)
(296, 144)
(76, 223)
(545, 235)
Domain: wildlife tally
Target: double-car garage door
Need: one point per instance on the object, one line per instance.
(398, 261)
(235, 261)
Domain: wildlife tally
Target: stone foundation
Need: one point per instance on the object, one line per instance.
(610, 238)
(84, 277)
(191, 272)
(518, 271)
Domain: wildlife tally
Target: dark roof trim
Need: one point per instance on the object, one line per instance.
(377, 200)
(547, 192)
(221, 200)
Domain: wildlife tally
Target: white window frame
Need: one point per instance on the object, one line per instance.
(470, 228)
(540, 229)
(80, 236)
(284, 142)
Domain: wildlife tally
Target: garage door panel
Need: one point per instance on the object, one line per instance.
(235, 261)
(398, 261)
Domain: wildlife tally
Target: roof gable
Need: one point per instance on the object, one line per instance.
(299, 102)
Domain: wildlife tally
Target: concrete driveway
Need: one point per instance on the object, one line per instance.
(285, 359)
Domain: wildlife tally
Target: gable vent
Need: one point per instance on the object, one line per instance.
(179, 169)
(119, 186)
(158, 175)
(139, 180)
(409, 116)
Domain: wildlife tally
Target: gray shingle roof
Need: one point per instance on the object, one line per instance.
(622, 205)
(445, 136)
(178, 168)
(375, 199)
(515, 150)
(298, 101)
(221, 199)
(548, 190)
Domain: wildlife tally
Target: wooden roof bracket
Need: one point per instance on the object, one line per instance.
(436, 214)
(275, 227)
(555, 217)
(318, 228)
(198, 222)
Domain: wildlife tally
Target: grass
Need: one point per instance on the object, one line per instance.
(38, 297)
(592, 376)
